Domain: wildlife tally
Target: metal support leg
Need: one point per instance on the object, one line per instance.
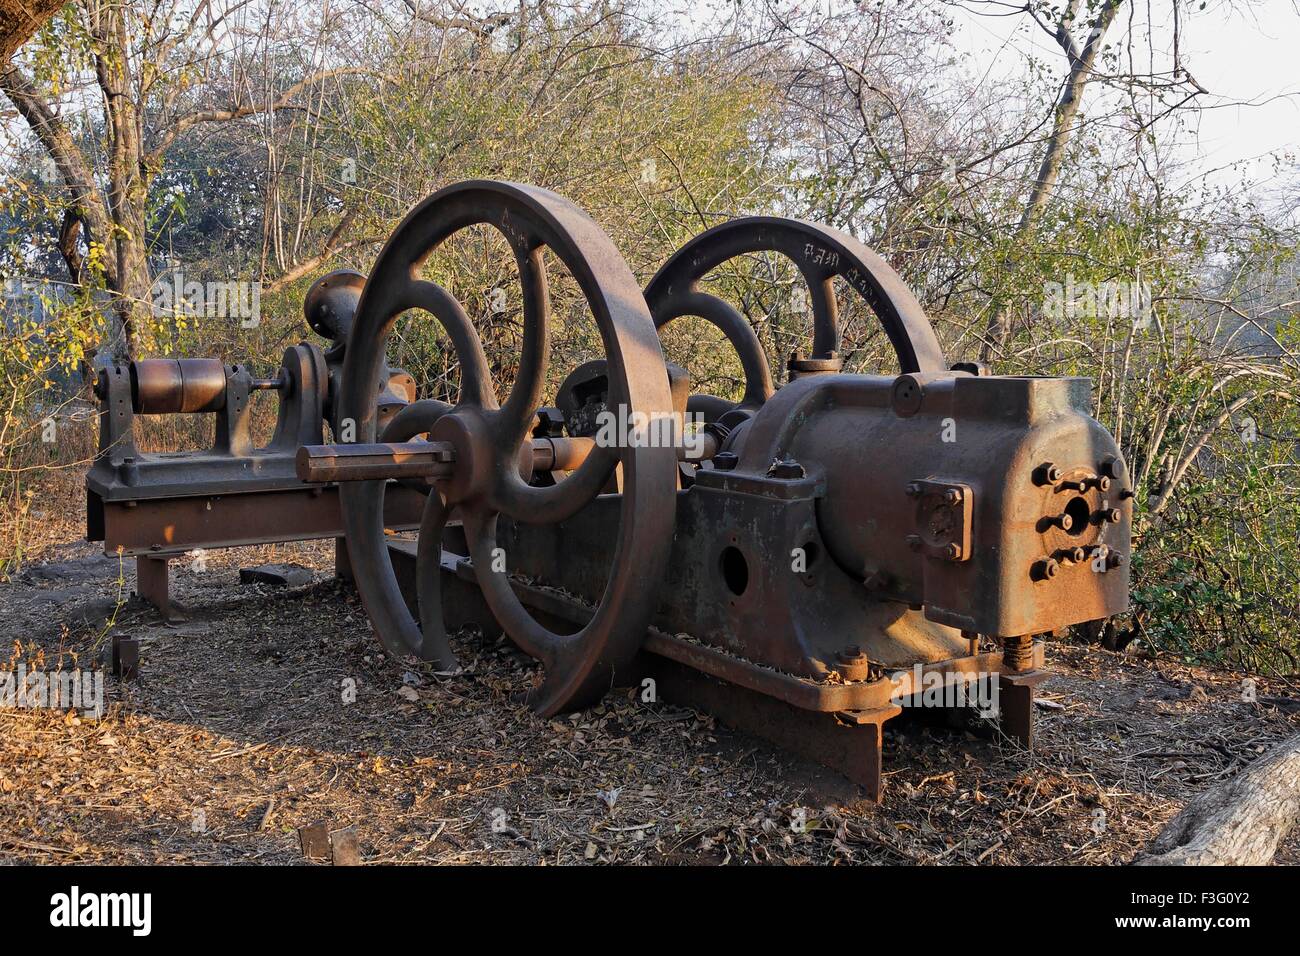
(126, 657)
(151, 583)
(342, 561)
(1016, 703)
(849, 743)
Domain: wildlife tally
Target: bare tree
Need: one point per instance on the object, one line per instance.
(1080, 29)
(157, 71)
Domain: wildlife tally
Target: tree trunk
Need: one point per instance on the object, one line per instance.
(1067, 111)
(19, 19)
(127, 188)
(1239, 822)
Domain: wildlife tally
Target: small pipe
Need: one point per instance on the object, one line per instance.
(279, 383)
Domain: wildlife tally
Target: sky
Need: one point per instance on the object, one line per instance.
(1244, 54)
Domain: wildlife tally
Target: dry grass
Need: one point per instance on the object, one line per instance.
(239, 714)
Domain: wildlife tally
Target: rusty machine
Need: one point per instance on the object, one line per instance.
(155, 506)
(803, 567)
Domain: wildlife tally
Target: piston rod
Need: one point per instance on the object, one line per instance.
(437, 459)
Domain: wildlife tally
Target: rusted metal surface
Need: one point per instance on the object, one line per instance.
(888, 519)
(850, 746)
(122, 472)
(837, 725)
(1016, 700)
(921, 510)
(320, 463)
(821, 558)
(176, 386)
(430, 460)
(153, 506)
(126, 657)
(821, 255)
(1018, 652)
(151, 583)
(486, 438)
(171, 526)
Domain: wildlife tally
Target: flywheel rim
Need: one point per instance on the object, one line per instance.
(821, 254)
(578, 667)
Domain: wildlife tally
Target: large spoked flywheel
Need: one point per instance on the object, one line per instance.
(488, 446)
(821, 254)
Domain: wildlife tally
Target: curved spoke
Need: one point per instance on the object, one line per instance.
(826, 319)
(475, 378)
(820, 254)
(363, 512)
(428, 584)
(494, 578)
(414, 419)
(515, 419)
(725, 316)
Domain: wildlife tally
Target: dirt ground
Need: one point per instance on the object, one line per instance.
(237, 734)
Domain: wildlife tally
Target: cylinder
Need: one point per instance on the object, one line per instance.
(568, 454)
(177, 386)
(560, 454)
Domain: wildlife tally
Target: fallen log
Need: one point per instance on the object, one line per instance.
(1239, 822)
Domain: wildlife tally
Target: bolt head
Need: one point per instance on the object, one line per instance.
(913, 489)
(1046, 569)
(952, 496)
(952, 552)
(1047, 474)
(786, 468)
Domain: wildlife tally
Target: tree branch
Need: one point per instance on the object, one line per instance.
(191, 120)
(331, 248)
(83, 196)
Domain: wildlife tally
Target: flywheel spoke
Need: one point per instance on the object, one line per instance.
(476, 450)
